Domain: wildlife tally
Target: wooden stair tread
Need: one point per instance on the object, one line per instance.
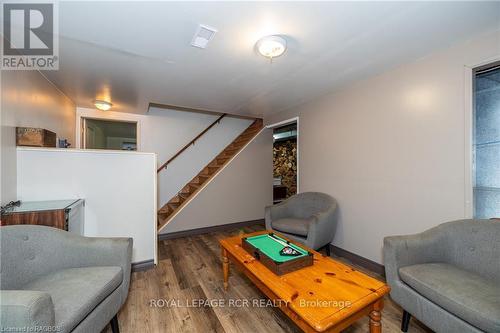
(232, 149)
(204, 172)
(163, 211)
(174, 200)
(173, 206)
(185, 190)
(189, 188)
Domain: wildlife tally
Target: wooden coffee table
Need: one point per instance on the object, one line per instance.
(328, 296)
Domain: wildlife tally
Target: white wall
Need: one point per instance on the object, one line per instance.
(165, 132)
(119, 189)
(29, 100)
(394, 150)
(238, 193)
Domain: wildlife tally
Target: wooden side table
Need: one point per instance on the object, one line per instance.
(62, 214)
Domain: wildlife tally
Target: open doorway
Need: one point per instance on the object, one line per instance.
(285, 160)
(486, 142)
(109, 134)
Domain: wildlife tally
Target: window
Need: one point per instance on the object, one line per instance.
(487, 142)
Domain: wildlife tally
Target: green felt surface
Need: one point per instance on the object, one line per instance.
(271, 247)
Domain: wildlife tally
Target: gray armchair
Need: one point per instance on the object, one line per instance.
(60, 281)
(307, 217)
(448, 277)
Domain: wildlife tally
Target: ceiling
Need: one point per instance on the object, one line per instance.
(135, 53)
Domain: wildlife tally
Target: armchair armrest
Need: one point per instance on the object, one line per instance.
(24, 309)
(95, 251)
(322, 228)
(401, 251)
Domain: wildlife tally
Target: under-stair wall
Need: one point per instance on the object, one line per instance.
(238, 193)
(187, 165)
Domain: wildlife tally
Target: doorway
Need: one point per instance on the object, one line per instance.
(108, 134)
(285, 160)
(486, 142)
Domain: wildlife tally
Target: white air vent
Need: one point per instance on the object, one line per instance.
(203, 35)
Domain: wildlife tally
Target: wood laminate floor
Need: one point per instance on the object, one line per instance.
(164, 299)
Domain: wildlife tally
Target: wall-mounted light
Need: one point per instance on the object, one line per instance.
(102, 105)
(271, 46)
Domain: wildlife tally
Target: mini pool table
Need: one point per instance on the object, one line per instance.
(267, 248)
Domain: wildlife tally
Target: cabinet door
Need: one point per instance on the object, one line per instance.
(54, 218)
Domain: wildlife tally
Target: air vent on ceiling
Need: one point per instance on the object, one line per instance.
(203, 35)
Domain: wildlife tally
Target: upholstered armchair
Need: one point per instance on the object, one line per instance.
(448, 276)
(308, 218)
(55, 281)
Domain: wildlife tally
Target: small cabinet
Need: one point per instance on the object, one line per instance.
(62, 214)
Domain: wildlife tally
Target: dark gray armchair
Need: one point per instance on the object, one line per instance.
(448, 277)
(307, 217)
(61, 282)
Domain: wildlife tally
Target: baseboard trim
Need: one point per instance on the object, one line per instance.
(206, 230)
(143, 265)
(358, 260)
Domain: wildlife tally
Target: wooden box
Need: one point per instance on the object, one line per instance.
(278, 268)
(35, 137)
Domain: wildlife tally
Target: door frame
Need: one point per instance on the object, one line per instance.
(286, 122)
(83, 113)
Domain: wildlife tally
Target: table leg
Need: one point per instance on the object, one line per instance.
(376, 317)
(225, 268)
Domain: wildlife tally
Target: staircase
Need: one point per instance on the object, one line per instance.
(181, 199)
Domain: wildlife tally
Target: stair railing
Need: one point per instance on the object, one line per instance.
(192, 142)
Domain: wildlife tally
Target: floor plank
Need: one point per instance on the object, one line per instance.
(189, 270)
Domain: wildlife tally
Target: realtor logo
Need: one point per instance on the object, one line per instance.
(29, 36)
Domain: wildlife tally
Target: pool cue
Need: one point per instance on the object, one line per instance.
(279, 240)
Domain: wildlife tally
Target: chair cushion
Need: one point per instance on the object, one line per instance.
(462, 293)
(76, 292)
(298, 227)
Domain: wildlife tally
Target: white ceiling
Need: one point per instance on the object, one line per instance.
(139, 52)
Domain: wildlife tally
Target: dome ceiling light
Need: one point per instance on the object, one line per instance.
(271, 46)
(102, 105)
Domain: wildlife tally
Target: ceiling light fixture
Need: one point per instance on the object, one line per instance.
(102, 105)
(271, 46)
